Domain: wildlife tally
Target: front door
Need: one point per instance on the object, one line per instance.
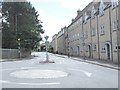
(89, 50)
(77, 50)
(71, 51)
(108, 51)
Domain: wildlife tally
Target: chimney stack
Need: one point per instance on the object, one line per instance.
(78, 12)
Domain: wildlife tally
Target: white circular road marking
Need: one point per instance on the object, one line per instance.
(38, 73)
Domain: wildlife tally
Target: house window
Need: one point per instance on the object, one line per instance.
(86, 34)
(115, 25)
(86, 48)
(117, 48)
(85, 17)
(101, 8)
(102, 30)
(114, 3)
(103, 49)
(80, 21)
(94, 47)
(93, 12)
(93, 32)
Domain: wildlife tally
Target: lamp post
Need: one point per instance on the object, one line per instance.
(16, 26)
(19, 47)
(68, 47)
(46, 43)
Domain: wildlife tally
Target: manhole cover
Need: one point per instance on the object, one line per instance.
(37, 73)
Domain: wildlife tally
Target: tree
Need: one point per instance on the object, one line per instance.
(50, 48)
(20, 21)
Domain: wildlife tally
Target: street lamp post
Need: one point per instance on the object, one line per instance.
(68, 48)
(19, 47)
(46, 38)
(18, 39)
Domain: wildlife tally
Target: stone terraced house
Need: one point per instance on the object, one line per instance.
(94, 32)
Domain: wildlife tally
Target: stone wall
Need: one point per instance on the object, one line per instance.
(14, 53)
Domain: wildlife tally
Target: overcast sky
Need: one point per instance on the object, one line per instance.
(56, 14)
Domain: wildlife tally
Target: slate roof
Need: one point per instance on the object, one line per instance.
(88, 9)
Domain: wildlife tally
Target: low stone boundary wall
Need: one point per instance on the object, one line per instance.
(9, 53)
(14, 53)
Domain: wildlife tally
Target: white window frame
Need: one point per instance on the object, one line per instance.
(85, 18)
(94, 47)
(93, 32)
(116, 47)
(103, 49)
(101, 8)
(115, 25)
(102, 30)
(93, 12)
(114, 3)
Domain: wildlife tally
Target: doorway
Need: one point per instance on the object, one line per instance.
(78, 50)
(108, 51)
(89, 51)
(71, 51)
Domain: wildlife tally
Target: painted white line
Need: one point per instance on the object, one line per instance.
(3, 81)
(55, 83)
(85, 72)
(21, 68)
(38, 73)
(52, 83)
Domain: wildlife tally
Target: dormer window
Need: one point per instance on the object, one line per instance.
(85, 18)
(114, 3)
(93, 12)
(101, 8)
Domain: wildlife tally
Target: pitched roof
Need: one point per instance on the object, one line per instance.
(88, 8)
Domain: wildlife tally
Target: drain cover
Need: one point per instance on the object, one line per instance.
(37, 73)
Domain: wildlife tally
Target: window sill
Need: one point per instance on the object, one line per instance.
(93, 35)
(101, 15)
(102, 34)
(115, 7)
(115, 29)
(103, 52)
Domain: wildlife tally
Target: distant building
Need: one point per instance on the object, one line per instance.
(54, 43)
(61, 41)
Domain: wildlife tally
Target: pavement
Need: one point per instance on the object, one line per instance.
(103, 63)
(17, 59)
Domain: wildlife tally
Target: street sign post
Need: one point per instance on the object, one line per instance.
(46, 43)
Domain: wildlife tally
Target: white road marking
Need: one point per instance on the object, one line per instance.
(88, 74)
(38, 83)
(21, 68)
(38, 73)
(85, 72)
(3, 81)
(52, 83)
